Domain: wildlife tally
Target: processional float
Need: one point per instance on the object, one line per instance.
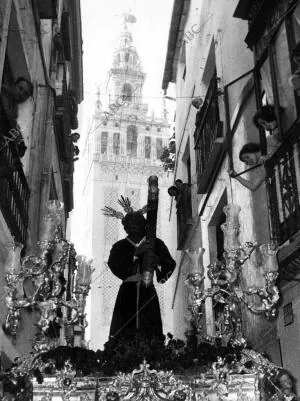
(239, 380)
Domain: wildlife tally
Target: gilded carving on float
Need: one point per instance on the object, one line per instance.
(146, 384)
(220, 383)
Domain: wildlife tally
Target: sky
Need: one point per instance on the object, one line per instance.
(102, 23)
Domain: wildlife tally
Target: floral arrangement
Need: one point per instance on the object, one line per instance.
(126, 353)
(123, 355)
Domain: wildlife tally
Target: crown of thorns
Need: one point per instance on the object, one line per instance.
(126, 205)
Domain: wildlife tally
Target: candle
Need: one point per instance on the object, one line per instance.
(84, 273)
(48, 229)
(196, 264)
(231, 227)
(54, 207)
(232, 214)
(55, 210)
(269, 258)
(13, 260)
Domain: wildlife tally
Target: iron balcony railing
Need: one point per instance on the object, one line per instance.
(283, 184)
(208, 136)
(14, 194)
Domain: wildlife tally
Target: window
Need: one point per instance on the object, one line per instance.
(275, 64)
(132, 141)
(98, 142)
(147, 147)
(116, 143)
(104, 137)
(159, 146)
(274, 74)
(127, 92)
(208, 136)
(126, 57)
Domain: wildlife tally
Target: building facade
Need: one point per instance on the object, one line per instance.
(40, 41)
(228, 61)
(123, 148)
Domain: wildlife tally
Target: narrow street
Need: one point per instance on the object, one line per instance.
(149, 204)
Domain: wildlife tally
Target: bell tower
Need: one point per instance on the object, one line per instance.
(126, 75)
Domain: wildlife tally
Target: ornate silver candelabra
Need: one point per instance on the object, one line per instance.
(226, 287)
(39, 280)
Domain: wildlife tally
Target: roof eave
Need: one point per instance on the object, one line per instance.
(176, 32)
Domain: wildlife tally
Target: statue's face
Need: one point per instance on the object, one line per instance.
(135, 226)
(135, 230)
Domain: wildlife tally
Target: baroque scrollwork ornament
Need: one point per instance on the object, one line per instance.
(264, 299)
(226, 288)
(38, 280)
(66, 381)
(147, 384)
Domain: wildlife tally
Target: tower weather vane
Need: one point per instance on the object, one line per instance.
(128, 18)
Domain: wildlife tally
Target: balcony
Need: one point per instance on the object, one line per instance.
(208, 137)
(14, 198)
(264, 18)
(184, 215)
(283, 185)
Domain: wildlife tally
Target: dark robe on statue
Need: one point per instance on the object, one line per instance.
(133, 296)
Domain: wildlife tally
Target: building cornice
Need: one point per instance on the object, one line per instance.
(179, 15)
